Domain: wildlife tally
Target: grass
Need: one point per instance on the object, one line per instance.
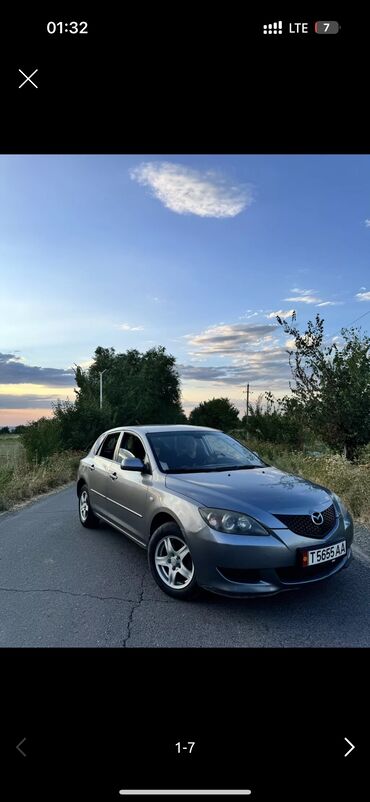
(21, 480)
(10, 448)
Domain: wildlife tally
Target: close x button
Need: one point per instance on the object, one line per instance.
(28, 78)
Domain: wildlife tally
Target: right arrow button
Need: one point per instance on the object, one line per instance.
(352, 747)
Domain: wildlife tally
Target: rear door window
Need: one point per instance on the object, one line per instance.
(109, 446)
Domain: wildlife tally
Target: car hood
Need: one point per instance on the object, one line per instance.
(260, 490)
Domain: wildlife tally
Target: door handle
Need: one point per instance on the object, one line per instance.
(92, 467)
(113, 475)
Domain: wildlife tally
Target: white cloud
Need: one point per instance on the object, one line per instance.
(263, 368)
(308, 339)
(250, 313)
(126, 327)
(85, 364)
(367, 223)
(17, 359)
(188, 191)
(233, 339)
(330, 303)
(303, 299)
(363, 296)
(309, 297)
(281, 313)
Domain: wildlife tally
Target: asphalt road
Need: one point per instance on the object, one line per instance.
(63, 585)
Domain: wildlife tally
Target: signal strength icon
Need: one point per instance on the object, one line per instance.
(273, 27)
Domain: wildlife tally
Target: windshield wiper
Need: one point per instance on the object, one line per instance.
(189, 470)
(214, 470)
(242, 467)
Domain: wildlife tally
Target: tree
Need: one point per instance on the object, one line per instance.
(79, 425)
(139, 388)
(4, 430)
(332, 383)
(218, 413)
(278, 420)
(41, 438)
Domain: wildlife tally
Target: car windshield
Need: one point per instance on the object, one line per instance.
(189, 452)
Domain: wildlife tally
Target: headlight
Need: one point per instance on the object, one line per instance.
(342, 507)
(232, 523)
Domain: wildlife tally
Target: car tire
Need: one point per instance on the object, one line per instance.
(87, 517)
(166, 542)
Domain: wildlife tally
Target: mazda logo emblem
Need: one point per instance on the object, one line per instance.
(317, 518)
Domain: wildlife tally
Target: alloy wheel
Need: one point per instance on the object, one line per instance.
(173, 562)
(84, 505)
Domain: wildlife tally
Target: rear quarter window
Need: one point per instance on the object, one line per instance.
(97, 444)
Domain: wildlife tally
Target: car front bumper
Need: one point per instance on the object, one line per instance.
(245, 565)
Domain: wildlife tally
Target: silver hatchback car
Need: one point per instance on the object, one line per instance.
(211, 513)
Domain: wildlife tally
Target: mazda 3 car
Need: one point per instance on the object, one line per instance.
(211, 513)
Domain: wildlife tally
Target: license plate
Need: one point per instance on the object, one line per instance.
(325, 554)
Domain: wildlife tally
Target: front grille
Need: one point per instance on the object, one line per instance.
(240, 574)
(296, 574)
(303, 525)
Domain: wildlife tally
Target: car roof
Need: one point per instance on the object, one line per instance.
(160, 427)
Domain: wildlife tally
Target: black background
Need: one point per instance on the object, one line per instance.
(274, 721)
(166, 82)
(159, 81)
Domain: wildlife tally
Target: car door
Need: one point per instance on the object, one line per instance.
(127, 490)
(99, 470)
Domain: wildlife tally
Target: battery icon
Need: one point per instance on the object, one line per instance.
(326, 27)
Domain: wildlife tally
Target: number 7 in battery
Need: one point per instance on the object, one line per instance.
(326, 27)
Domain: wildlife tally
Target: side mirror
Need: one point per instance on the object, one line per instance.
(132, 464)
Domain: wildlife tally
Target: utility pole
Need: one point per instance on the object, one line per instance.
(247, 406)
(101, 386)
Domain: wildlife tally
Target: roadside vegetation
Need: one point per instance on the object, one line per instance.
(21, 479)
(320, 431)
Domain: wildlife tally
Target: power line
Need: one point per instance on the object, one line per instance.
(350, 324)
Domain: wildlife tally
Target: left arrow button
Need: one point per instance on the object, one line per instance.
(18, 747)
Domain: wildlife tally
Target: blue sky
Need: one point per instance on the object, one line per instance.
(195, 253)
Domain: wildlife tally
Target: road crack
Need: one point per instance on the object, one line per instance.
(135, 606)
(68, 593)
